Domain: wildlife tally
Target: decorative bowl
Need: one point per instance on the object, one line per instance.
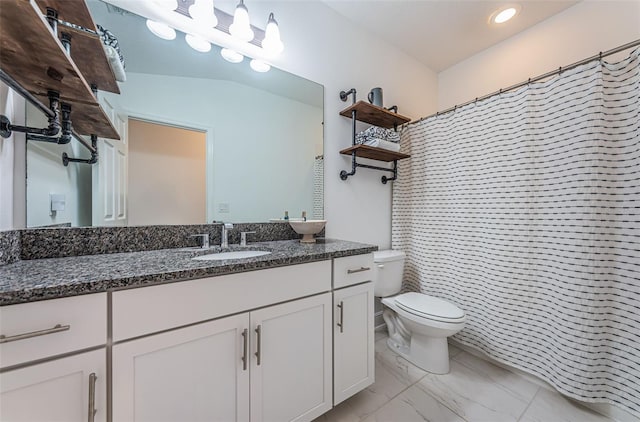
(307, 229)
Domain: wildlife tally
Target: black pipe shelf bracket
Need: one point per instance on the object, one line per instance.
(378, 116)
(60, 130)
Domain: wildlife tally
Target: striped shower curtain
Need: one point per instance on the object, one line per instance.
(524, 210)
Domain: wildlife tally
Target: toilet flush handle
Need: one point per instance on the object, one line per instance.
(380, 265)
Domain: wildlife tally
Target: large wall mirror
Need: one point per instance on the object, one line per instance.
(203, 140)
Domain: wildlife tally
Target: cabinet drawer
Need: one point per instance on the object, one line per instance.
(146, 310)
(51, 327)
(351, 270)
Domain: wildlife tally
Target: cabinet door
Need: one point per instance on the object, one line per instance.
(189, 374)
(353, 339)
(60, 390)
(291, 360)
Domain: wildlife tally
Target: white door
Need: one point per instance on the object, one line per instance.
(191, 374)
(291, 360)
(353, 341)
(58, 390)
(109, 174)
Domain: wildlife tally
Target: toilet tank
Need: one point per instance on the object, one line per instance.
(388, 270)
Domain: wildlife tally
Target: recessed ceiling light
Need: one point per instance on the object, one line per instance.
(503, 15)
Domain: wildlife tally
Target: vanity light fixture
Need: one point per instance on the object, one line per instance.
(271, 42)
(504, 14)
(161, 30)
(241, 26)
(259, 66)
(198, 43)
(205, 25)
(231, 55)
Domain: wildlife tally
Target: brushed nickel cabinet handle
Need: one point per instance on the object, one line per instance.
(56, 329)
(258, 346)
(341, 323)
(245, 348)
(359, 270)
(92, 397)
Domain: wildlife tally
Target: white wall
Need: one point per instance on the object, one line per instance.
(579, 32)
(46, 174)
(325, 47)
(247, 172)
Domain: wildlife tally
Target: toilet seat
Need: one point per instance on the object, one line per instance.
(429, 307)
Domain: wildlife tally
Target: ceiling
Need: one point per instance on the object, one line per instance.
(441, 33)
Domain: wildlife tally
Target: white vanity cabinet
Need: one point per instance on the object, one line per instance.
(53, 360)
(71, 389)
(264, 363)
(189, 374)
(353, 331)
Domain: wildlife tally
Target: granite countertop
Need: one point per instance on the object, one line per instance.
(40, 279)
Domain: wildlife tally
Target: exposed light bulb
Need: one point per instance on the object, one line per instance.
(167, 4)
(231, 55)
(161, 30)
(259, 66)
(241, 27)
(202, 11)
(198, 43)
(271, 43)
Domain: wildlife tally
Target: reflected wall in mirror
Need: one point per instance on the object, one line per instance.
(261, 152)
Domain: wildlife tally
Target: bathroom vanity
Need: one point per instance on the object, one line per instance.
(160, 336)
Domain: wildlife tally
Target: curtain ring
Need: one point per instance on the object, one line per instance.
(600, 56)
(560, 70)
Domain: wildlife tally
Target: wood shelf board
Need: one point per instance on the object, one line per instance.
(75, 11)
(86, 48)
(30, 53)
(88, 54)
(374, 153)
(91, 120)
(374, 115)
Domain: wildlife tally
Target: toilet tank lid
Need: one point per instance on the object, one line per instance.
(388, 255)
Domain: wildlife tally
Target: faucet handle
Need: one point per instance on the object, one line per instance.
(205, 239)
(243, 238)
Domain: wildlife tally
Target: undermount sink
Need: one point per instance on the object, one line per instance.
(218, 256)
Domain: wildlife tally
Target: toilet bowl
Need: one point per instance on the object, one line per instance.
(418, 324)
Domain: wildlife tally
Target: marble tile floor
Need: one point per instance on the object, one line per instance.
(474, 391)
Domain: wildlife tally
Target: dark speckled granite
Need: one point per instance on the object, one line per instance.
(9, 246)
(32, 280)
(63, 242)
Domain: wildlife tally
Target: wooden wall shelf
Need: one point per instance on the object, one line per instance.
(374, 153)
(34, 57)
(374, 115)
(378, 116)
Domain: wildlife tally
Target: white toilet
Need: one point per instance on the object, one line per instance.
(418, 324)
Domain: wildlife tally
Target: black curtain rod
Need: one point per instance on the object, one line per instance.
(537, 78)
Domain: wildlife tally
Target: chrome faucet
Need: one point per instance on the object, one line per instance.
(225, 234)
(205, 239)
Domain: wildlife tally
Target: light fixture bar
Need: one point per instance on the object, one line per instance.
(224, 21)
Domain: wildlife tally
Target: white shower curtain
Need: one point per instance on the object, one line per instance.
(524, 210)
